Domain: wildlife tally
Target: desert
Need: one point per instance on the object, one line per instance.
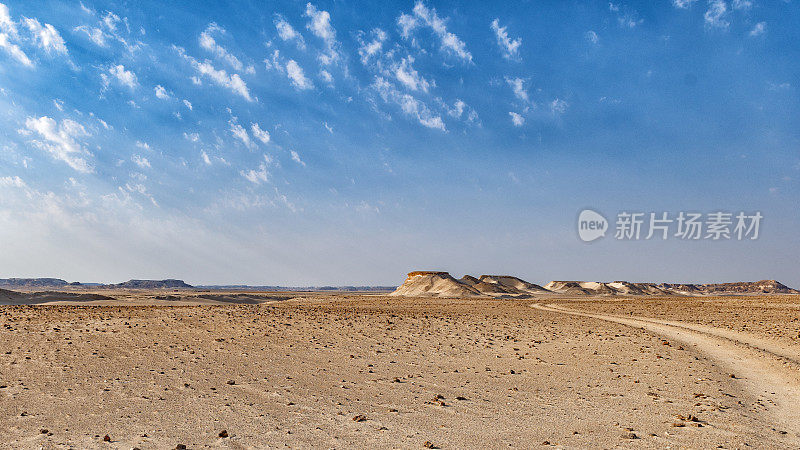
(115, 367)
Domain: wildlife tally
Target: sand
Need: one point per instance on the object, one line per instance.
(342, 371)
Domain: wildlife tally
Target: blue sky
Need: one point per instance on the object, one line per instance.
(341, 143)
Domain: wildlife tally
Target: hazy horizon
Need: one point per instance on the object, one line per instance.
(329, 143)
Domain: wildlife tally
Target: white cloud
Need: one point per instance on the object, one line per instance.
(683, 4)
(240, 133)
(205, 157)
(259, 175)
(140, 161)
(14, 181)
(125, 77)
(191, 137)
(233, 82)
(408, 104)
(592, 37)
(407, 24)
(367, 50)
(288, 33)
(509, 46)
(110, 20)
(423, 15)
(715, 16)
(326, 76)
(61, 141)
(59, 104)
(96, 35)
(759, 29)
(558, 106)
(328, 127)
(188, 104)
(518, 88)
(207, 42)
(161, 92)
(46, 36)
(296, 75)
(6, 24)
(320, 25)
(296, 158)
(516, 119)
(742, 4)
(461, 109)
(409, 77)
(143, 145)
(14, 50)
(261, 135)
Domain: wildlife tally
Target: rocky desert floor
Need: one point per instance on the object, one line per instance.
(344, 371)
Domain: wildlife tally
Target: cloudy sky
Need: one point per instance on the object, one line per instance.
(348, 143)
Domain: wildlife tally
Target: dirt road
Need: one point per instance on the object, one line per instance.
(766, 369)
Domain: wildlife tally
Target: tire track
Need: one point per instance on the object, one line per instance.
(759, 365)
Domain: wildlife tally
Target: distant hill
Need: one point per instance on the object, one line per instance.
(151, 284)
(32, 282)
(441, 284)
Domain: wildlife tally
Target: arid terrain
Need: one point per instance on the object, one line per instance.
(155, 370)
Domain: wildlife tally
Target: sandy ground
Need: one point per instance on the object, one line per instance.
(335, 371)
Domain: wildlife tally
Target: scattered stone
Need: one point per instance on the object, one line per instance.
(428, 444)
(180, 447)
(106, 438)
(231, 382)
(359, 418)
(630, 435)
(43, 431)
(223, 434)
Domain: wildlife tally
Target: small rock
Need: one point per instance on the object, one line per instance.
(223, 434)
(359, 418)
(43, 431)
(630, 435)
(428, 444)
(180, 447)
(106, 438)
(231, 382)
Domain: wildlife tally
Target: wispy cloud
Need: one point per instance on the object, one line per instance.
(423, 15)
(716, 15)
(516, 119)
(369, 48)
(258, 175)
(759, 29)
(261, 135)
(240, 133)
(320, 25)
(208, 42)
(62, 140)
(287, 32)
(46, 36)
(121, 75)
(409, 77)
(297, 76)
(219, 76)
(14, 50)
(408, 104)
(296, 158)
(510, 47)
(161, 92)
(517, 85)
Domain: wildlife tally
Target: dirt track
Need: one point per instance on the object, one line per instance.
(768, 370)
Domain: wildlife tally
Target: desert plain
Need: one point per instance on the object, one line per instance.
(148, 369)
